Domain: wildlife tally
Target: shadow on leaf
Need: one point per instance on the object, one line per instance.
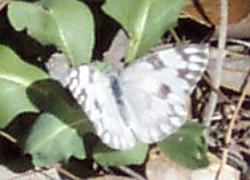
(48, 96)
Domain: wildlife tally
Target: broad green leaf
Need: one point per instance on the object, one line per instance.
(15, 77)
(145, 20)
(107, 157)
(51, 140)
(66, 126)
(187, 146)
(67, 24)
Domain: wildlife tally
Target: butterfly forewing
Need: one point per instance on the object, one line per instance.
(157, 87)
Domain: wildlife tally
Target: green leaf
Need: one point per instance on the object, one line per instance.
(187, 146)
(145, 20)
(15, 77)
(107, 157)
(67, 125)
(67, 24)
(51, 141)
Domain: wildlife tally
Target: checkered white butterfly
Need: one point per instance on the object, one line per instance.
(146, 101)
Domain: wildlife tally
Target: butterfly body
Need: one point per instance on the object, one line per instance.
(145, 102)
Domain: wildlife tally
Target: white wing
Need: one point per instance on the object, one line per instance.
(93, 92)
(156, 88)
(150, 103)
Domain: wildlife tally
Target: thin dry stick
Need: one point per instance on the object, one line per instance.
(230, 129)
(241, 42)
(216, 75)
(131, 173)
(7, 136)
(67, 174)
(175, 36)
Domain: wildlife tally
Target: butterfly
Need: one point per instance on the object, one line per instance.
(146, 101)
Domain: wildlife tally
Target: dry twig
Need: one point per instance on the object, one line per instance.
(131, 173)
(67, 174)
(216, 75)
(7, 136)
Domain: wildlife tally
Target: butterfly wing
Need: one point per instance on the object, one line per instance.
(92, 91)
(156, 88)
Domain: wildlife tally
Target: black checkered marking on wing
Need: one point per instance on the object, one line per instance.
(196, 65)
(164, 91)
(76, 84)
(155, 61)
